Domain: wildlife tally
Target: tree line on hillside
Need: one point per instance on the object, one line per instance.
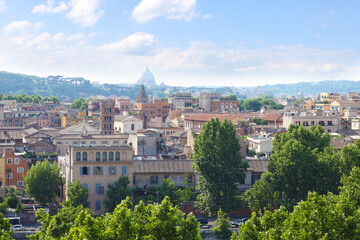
(255, 104)
(23, 98)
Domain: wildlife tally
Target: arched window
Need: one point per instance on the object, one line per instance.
(78, 156)
(104, 157)
(117, 156)
(97, 156)
(111, 156)
(85, 156)
(132, 127)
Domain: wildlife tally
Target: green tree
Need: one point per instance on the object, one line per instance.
(217, 148)
(78, 195)
(57, 226)
(19, 208)
(301, 161)
(327, 216)
(154, 221)
(43, 182)
(168, 188)
(5, 228)
(116, 193)
(11, 198)
(222, 229)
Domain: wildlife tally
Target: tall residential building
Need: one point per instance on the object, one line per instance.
(107, 113)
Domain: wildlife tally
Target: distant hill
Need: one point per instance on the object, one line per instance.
(312, 88)
(76, 87)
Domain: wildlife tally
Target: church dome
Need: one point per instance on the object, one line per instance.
(147, 78)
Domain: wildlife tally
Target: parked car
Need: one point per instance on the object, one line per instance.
(239, 221)
(203, 221)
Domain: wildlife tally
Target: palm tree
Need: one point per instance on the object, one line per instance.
(8, 170)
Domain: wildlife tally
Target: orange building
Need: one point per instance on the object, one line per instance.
(152, 110)
(16, 168)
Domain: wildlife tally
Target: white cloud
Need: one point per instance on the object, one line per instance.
(85, 12)
(207, 16)
(324, 25)
(22, 26)
(3, 6)
(170, 9)
(245, 69)
(49, 7)
(137, 44)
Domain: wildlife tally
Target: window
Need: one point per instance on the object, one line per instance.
(98, 170)
(166, 177)
(116, 142)
(88, 204)
(117, 156)
(20, 170)
(16, 161)
(123, 170)
(84, 156)
(92, 142)
(20, 183)
(99, 188)
(104, 156)
(98, 205)
(59, 142)
(9, 161)
(75, 142)
(254, 178)
(78, 156)
(132, 127)
(10, 175)
(104, 142)
(112, 170)
(86, 186)
(111, 156)
(83, 142)
(97, 156)
(84, 171)
(154, 180)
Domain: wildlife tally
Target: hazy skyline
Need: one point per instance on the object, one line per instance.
(184, 42)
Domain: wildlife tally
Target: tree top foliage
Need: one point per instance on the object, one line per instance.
(217, 148)
(327, 216)
(154, 221)
(43, 182)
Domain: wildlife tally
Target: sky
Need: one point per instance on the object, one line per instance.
(184, 42)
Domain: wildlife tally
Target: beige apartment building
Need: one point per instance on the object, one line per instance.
(96, 167)
(342, 105)
(329, 120)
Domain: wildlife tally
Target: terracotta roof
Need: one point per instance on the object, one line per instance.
(258, 165)
(163, 166)
(30, 131)
(273, 117)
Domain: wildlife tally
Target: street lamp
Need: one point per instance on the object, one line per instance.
(146, 191)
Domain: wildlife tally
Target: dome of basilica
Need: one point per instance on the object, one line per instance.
(147, 78)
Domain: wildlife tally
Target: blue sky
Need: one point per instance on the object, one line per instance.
(184, 42)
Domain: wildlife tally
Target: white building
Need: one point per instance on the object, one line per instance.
(260, 144)
(127, 124)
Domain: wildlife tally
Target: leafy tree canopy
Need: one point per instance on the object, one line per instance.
(77, 194)
(301, 161)
(218, 162)
(116, 193)
(42, 182)
(327, 216)
(154, 221)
